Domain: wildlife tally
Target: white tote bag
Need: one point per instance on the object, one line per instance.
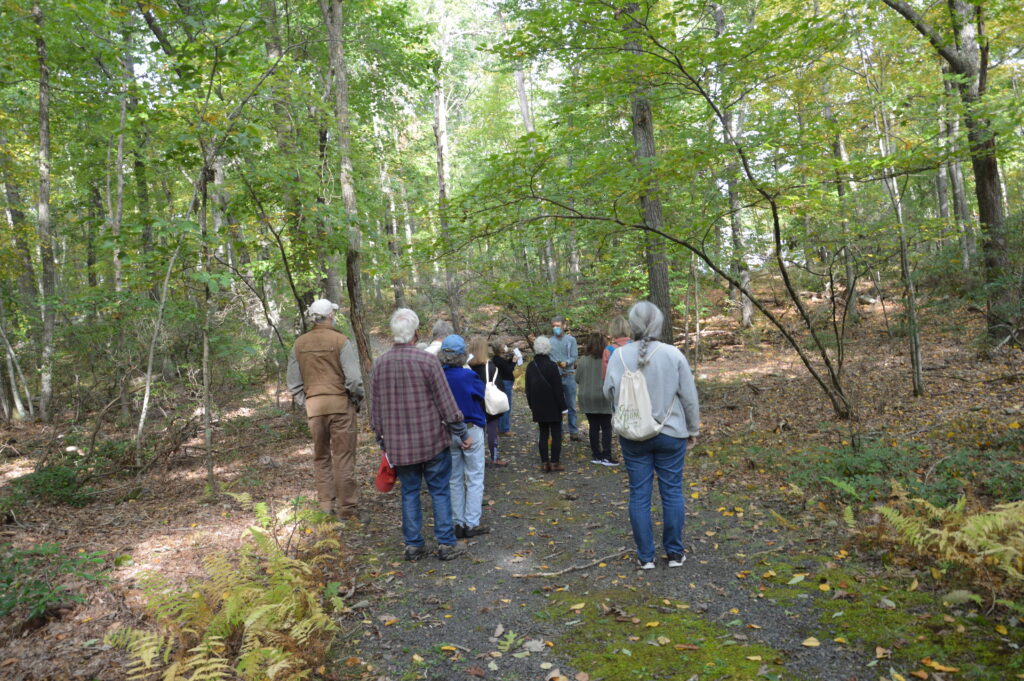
(495, 399)
(634, 418)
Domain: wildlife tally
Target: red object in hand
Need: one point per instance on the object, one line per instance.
(386, 474)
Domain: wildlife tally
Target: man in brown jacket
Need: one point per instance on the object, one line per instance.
(323, 375)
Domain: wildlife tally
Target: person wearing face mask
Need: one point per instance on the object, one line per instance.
(564, 353)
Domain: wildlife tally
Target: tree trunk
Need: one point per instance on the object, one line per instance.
(886, 148)
(650, 201)
(451, 285)
(211, 479)
(46, 237)
(152, 353)
(334, 19)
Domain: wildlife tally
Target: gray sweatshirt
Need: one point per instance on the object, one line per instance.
(669, 383)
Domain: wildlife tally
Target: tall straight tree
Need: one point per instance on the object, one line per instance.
(444, 39)
(48, 283)
(965, 50)
(334, 19)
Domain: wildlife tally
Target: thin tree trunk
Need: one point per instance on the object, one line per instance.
(334, 19)
(15, 374)
(46, 237)
(211, 479)
(885, 147)
(152, 353)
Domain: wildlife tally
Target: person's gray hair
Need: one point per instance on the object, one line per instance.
(542, 346)
(404, 323)
(646, 320)
(450, 358)
(558, 318)
(619, 328)
(319, 318)
(442, 329)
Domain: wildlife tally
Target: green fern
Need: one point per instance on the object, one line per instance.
(848, 517)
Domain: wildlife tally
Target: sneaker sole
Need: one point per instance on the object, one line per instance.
(677, 563)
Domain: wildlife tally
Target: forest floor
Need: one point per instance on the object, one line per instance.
(777, 584)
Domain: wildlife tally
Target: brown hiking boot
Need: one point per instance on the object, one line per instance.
(557, 467)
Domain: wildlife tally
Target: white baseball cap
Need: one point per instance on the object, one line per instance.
(322, 307)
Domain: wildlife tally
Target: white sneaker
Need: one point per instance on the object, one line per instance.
(649, 565)
(676, 559)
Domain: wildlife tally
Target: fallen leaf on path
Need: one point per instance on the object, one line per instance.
(686, 646)
(1000, 629)
(476, 671)
(754, 658)
(881, 653)
(797, 579)
(577, 606)
(417, 658)
(920, 674)
(651, 625)
(811, 642)
(938, 666)
(886, 604)
(582, 676)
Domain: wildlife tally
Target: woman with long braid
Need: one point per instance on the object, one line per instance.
(674, 405)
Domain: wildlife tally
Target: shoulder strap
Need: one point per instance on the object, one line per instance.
(487, 373)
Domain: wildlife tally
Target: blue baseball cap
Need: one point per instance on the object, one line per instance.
(454, 342)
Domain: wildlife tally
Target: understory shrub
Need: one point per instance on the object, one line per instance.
(864, 474)
(33, 580)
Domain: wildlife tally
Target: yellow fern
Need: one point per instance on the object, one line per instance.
(988, 542)
(257, 615)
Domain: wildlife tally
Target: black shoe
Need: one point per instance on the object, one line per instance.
(414, 553)
(576, 437)
(596, 459)
(446, 552)
(460, 531)
(676, 560)
(475, 531)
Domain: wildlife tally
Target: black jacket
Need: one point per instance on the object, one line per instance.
(544, 390)
(506, 368)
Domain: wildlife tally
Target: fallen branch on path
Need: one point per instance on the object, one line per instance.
(573, 567)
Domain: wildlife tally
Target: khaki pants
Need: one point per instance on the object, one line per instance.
(334, 461)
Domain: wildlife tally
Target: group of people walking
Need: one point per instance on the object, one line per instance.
(431, 418)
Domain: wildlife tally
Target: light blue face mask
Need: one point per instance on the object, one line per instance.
(557, 330)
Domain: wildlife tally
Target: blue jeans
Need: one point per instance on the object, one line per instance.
(436, 472)
(467, 479)
(505, 420)
(664, 455)
(569, 390)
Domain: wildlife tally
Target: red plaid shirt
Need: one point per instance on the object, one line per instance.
(413, 411)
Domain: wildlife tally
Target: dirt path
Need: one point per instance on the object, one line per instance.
(472, 618)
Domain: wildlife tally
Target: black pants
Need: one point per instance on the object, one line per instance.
(600, 435)
(554, 432)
